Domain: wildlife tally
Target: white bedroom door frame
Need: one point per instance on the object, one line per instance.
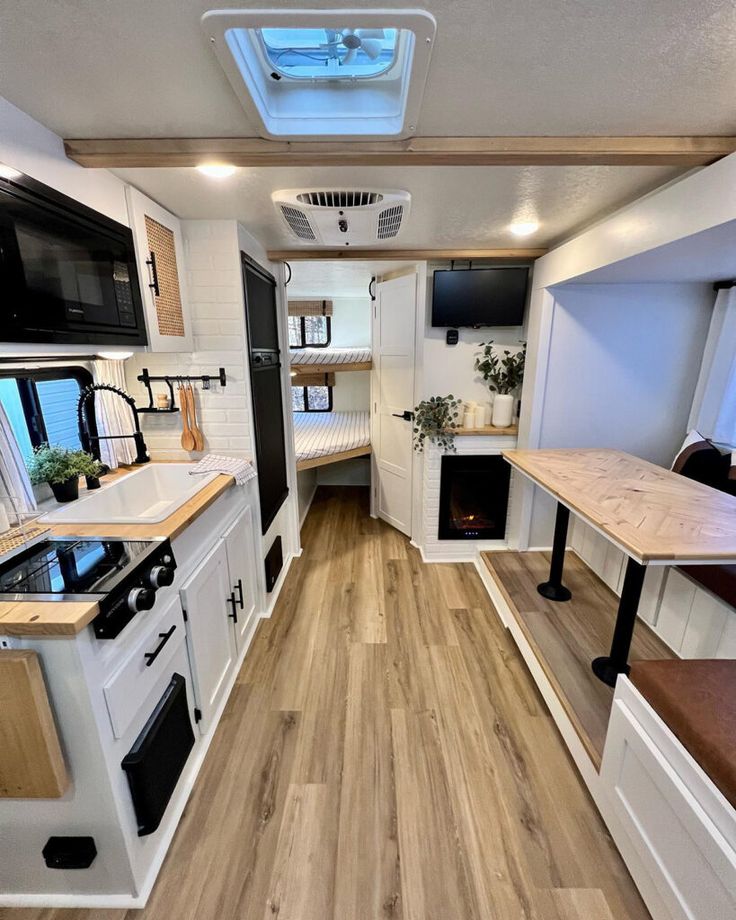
(393, 393)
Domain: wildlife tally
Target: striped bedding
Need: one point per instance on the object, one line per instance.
(319, 434)
(330, 355)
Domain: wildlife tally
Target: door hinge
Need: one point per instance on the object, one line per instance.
(197, 715)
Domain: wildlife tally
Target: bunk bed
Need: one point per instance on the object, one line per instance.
(328, 437)
(323, 360)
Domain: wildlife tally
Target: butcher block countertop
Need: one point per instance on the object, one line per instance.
(652, 514)
(64, 619)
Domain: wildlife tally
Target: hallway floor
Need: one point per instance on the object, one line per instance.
(384, 754)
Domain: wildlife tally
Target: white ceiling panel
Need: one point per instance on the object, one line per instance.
(144, 68)
(452, 207)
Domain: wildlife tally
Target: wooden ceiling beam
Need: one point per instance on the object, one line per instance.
(416, 151)
(402, 255)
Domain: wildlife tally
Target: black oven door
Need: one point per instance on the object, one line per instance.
(67, 274)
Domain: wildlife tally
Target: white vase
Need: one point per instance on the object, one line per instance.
(503, 410)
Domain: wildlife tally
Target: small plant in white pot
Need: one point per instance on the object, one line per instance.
(503, 376)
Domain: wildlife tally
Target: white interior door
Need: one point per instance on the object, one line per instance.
(394, 330)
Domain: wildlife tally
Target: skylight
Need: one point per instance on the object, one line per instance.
(328, 74)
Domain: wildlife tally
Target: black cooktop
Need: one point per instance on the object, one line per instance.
(71, 566)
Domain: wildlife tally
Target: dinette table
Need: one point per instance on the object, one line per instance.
(654, 516)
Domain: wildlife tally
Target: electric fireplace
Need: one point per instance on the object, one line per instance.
(474, 496)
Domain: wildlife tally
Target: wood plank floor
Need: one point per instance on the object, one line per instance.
(566, 637)
(385, 755)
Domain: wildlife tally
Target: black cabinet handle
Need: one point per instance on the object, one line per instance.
(154, 274)
(231, 600)
(239, 586)
(406, 415)
(164, 637)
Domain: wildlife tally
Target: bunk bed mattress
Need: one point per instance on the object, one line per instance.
(320, 434)
(324, 356)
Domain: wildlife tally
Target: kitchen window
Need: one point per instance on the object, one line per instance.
(41, 405)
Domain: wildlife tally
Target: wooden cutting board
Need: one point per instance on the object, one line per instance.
(31, 762)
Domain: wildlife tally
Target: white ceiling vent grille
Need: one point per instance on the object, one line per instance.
(389, 222)
(345, 199)
(299, 223)
(343, 217)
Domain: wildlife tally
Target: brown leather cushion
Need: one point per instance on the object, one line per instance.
(719, 579)
(697, 700)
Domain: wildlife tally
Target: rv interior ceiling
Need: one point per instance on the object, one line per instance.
(368, 461)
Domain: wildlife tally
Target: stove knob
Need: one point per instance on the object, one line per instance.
(160, 576)
(141, 599)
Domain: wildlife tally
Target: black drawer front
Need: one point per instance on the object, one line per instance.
(155, 762)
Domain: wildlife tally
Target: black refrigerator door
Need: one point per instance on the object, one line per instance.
(268, 413)
(265, 378)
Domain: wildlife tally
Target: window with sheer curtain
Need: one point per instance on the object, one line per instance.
(713, 413)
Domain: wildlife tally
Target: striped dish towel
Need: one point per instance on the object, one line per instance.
(242, 470)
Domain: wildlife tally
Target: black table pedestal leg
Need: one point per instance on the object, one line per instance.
(610, 666)
(553, 589)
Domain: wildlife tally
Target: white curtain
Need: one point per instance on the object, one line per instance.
(714, 406)
(16, 492)
(114, 415)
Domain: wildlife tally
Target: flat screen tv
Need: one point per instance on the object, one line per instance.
(479, 297)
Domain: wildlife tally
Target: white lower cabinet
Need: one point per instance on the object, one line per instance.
(210, 636)
(675, 830)
(241, 560)
(219, 599)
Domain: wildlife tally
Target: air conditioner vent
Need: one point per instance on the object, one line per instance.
(298, 222)
(343, 217)
(389, 222)
(337, 199)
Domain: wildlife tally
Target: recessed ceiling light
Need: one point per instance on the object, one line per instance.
(524, 227)
(217, 170)
(7, 172)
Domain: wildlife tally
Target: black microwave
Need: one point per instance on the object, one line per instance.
(67, 273)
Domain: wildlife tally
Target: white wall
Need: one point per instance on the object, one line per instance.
(33, 149)
(351, 322)
(306, 484)
(622, 367)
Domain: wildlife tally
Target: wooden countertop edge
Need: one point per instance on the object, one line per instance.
(642, 556)
(65, 619)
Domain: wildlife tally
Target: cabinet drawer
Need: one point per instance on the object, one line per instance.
(128, 688)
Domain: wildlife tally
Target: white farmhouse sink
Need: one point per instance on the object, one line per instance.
(145, 497)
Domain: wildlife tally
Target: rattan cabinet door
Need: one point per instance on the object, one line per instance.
(160, 254)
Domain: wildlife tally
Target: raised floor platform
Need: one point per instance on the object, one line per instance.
(565, 637)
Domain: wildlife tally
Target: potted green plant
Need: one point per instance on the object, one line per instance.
(435, 419)
(91, 469)
(503, 375)
(61, 468)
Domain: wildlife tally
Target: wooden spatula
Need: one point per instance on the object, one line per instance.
(196, 431)
(187, 438)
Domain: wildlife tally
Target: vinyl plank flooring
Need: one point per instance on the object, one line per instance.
(385, 755)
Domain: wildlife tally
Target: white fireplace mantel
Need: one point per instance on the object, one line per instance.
(432, 548)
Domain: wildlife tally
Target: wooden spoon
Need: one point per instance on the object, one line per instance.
(187, 438)
(196, 431)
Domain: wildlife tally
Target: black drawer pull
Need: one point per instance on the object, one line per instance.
(154, 274)
(231, 600)
(164, 637)
(239, 586)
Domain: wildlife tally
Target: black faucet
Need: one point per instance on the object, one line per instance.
(86, 438)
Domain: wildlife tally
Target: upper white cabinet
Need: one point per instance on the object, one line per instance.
(160, 254)
(241, 558)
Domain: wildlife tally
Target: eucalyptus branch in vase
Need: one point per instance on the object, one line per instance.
(503, 375)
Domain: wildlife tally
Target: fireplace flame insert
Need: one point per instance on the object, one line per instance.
(474, 497)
